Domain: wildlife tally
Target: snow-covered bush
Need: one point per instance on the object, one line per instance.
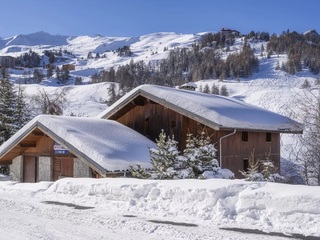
(198, 160)
(267, 173)
(252, 173)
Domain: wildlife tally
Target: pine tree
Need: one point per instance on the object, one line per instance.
(13, 114)
(189, 157)
(215, 89)
(139, 172)
(200, 155)
(22, 115)
(164, 159)
(224, 90)
(206, 89)
(7, 107)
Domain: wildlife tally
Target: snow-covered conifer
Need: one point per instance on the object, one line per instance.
(139, 172)
(13, 114)
(200, 155)
(164, 159)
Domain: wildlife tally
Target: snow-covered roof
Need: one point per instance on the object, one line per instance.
(189, 84)
(104, 144)
(217, 112)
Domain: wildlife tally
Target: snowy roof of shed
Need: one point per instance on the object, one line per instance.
(105, 145)
(215, 111)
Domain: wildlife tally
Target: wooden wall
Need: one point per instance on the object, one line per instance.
(44, 147)
(150, 118)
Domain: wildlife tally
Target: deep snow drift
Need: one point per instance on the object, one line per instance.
(201, 204)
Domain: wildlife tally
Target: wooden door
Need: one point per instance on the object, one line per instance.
(30, 169)
(62, 167)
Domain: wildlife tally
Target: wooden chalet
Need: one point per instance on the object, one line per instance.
(189, 86)
(68, 67)
(235, 126)
(53, 147)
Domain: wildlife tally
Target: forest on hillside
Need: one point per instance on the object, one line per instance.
(204, 60)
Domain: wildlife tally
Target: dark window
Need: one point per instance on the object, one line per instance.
(245, 164)
(245, 136)
(268, 137)
(147, 127)
(173, 124)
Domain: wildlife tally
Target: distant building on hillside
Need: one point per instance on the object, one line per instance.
(189, 86)
(227, 32)
(68, 67)
(7, 62)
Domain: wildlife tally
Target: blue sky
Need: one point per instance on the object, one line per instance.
(139, 17)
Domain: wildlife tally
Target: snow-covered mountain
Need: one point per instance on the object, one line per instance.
(148, 47)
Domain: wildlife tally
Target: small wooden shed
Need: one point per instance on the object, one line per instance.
(53, 147)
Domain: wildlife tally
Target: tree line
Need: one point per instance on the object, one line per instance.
(303, 50)
(183, 65)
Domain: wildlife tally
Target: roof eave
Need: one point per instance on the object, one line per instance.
(19, 139)
(286, 131)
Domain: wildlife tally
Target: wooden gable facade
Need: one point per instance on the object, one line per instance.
(148, 118)
(35, 159)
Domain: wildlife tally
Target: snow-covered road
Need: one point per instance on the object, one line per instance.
(25, 219)
(67, 210)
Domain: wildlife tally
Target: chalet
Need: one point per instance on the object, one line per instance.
(189, 86)
(236, 127)
(7, 62)
(52, 147)
(68, 67)
(229, 32)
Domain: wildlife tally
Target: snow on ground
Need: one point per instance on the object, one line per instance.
(154, 209)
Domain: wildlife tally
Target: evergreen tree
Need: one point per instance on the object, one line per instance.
(215, 89)
(50, 71)
(200, 155)
(139, 172)
(224, 90)
(206, 89)
(37, 76)
(8, 101)
(113, 97)
(13, 113)
(22, 115)
(164, 159)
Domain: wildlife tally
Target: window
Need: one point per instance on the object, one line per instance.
(268, 137)
(173, 124)
(245, 136)
(147, 127)
(245, 164)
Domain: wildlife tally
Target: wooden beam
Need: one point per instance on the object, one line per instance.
(37, 133)
(28, 144)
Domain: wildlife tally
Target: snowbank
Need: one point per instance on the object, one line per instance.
(271, 207)
(4, 177)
